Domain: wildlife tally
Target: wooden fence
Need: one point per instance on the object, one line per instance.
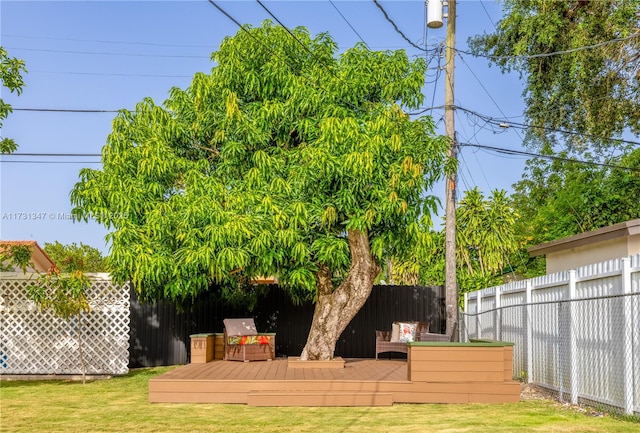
(160, 330)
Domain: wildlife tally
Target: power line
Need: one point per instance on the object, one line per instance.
(274, 53)
(10, 161)
(53, 154)
(479, 146)
(489, 119)
(328, 68)
(437, 48)
(554, 53)
(236, 22)
(484, 88)
(306, 48)
(505, 123)
(552, 157)
(319, 61)
(488, 15)
(463, 163)
(563, 131)
(241, 27)
(435, 83)
(3, 158)
(65, 110)
(46, 50)
(110, 74)
(153, 44)
(397, 29)
(158, 44)
(349, 24)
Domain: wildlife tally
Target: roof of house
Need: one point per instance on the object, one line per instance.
(41, 261)
(627, 228)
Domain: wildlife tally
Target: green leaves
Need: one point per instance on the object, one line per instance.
(64, 294)
(74, 257)
(590, 86)
(11, 70)
(14, 255)
(332, 251)
(485, 236)
(259, 168)
(561, 199)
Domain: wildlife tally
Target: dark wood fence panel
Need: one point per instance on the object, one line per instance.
(160, 330)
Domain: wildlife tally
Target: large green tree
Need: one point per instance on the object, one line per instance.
(11, 70)
(287, 160)
(559, 198)
(486, 239)
(73, 257)
(580, 62)
(486, 235)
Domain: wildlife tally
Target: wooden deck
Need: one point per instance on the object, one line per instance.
(360, 383)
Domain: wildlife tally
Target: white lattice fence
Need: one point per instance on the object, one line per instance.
(35, 342)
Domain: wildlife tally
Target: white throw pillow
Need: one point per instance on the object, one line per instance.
(395, 332)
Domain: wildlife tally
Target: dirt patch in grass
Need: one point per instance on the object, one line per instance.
(534, 392)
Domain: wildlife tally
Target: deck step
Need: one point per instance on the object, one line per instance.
(319, 398)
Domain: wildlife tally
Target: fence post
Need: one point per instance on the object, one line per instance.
(573, 343)
(627, 336)
(498, 319)
(478, 314)
(465, 318)
(529, 329)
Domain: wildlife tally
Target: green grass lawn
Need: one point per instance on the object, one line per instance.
(121, 405)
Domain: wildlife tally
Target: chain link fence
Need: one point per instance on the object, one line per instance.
(575, 332)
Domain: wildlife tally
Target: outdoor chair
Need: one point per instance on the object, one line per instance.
(242, 342)
(393, 341)
(440, 338)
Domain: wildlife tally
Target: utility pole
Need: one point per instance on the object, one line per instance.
(434, 20)
(451, 285)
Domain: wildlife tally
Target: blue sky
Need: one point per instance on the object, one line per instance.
(109, 55)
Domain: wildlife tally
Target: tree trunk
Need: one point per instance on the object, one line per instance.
(336, 308)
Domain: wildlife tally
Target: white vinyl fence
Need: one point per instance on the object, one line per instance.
(36, 342)
(577, 332)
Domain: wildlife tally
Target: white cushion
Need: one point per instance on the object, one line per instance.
(395, 332)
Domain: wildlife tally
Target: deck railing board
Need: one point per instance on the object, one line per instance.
(454, 354)
(320, 399)
(457, 376)
(462, 366)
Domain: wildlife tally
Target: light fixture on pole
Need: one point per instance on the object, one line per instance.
(434, 13)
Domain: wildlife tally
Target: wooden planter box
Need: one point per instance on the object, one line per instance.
(482, 370)
(202, 348)
(218, 346)
(252, 352)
